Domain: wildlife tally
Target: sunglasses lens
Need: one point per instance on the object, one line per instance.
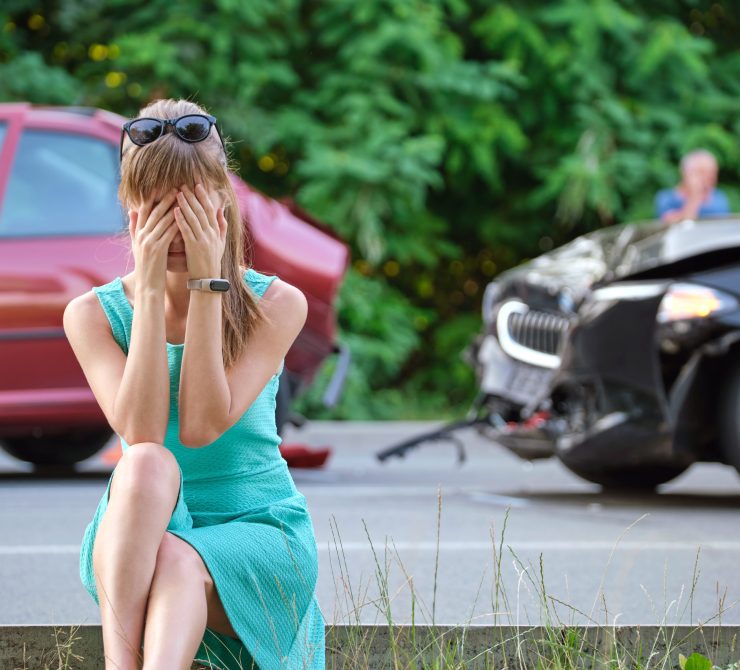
(193, 128)
(144, 131)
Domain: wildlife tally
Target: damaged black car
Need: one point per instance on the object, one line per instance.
(618, 353)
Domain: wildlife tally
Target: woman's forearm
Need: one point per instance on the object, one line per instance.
(143, 401)
(204, 396)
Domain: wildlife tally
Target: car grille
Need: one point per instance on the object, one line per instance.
(530, 335)
(540, 331)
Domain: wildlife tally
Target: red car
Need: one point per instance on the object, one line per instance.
(61, 231)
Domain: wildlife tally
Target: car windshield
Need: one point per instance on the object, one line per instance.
(61, 184)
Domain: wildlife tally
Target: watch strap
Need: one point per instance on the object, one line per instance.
(205, 284)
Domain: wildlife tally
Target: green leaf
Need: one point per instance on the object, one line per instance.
(697, 662)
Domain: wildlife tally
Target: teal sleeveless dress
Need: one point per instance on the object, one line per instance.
(240, 510)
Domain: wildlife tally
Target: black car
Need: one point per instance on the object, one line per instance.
(618, 353)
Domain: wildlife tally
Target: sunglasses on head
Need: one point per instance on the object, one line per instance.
(189, 128)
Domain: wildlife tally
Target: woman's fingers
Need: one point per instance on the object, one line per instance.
(170, 232)
(156, 213)
(164, 225)
(185, 225)
(187, 206)
(222, 223)
(204, 202)
(144, 211)
(133, 216)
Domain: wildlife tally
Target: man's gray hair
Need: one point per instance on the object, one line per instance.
(693, 155)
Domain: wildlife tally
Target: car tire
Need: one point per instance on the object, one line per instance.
(629, 478)
(728, 416)
(57, 448)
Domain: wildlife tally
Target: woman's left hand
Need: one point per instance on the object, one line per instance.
(203, 228)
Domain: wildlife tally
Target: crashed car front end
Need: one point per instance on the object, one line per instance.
(603, 358)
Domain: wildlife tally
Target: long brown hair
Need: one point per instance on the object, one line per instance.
(169, 162)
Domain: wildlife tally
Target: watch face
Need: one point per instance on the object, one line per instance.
(219, 284)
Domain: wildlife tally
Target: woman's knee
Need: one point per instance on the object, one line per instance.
(145, 467)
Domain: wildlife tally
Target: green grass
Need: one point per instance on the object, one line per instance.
(550, 644)
(558, 645)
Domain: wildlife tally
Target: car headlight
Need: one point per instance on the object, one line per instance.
(690, 301)
(490, 297)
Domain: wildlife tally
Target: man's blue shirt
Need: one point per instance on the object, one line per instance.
(670, 198)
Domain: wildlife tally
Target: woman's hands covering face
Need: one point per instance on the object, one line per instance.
(201, 221)
(152, 228)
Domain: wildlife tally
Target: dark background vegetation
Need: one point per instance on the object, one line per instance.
(445, 140)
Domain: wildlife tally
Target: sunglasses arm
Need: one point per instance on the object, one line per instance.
(220, 136)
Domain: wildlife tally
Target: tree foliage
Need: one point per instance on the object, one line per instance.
(445, 140)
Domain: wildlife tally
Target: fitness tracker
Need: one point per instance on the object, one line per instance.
(211, 284)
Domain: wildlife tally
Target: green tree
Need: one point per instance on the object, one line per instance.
(446, 140)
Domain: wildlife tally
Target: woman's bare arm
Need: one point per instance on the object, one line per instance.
(132, 391)
(211, 398)
(203, 393)
(142, 404)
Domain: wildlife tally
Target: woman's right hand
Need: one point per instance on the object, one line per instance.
(152, 229)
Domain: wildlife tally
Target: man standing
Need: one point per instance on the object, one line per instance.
(696, 195)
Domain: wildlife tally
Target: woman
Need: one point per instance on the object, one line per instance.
(201, 544)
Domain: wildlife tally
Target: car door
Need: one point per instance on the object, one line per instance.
(61, 232)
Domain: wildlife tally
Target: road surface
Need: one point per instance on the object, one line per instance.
(604, 558)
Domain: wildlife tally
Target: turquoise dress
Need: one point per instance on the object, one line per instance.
(239, 508)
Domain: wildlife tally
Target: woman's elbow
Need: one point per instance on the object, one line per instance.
(134, 432)
(195, 439)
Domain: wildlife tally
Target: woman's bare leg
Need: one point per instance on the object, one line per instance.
(177, 611)
(143, 494)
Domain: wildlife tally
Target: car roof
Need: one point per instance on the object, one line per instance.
(55, 114)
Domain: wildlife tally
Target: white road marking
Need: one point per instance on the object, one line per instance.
(23, 549)
(546, 545)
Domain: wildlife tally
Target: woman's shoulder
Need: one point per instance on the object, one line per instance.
(83, 311)
(84, 302)
(285, 305)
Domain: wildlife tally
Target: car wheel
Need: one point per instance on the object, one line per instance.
(728, 417)
(629, 478)
(58, 448)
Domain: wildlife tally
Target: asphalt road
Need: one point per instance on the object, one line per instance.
(669, 557)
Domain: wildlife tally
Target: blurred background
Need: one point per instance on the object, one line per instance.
(445, 141)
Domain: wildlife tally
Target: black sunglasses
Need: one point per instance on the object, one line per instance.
(189, 128)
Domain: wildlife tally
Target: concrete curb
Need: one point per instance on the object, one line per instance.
(80, 647)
